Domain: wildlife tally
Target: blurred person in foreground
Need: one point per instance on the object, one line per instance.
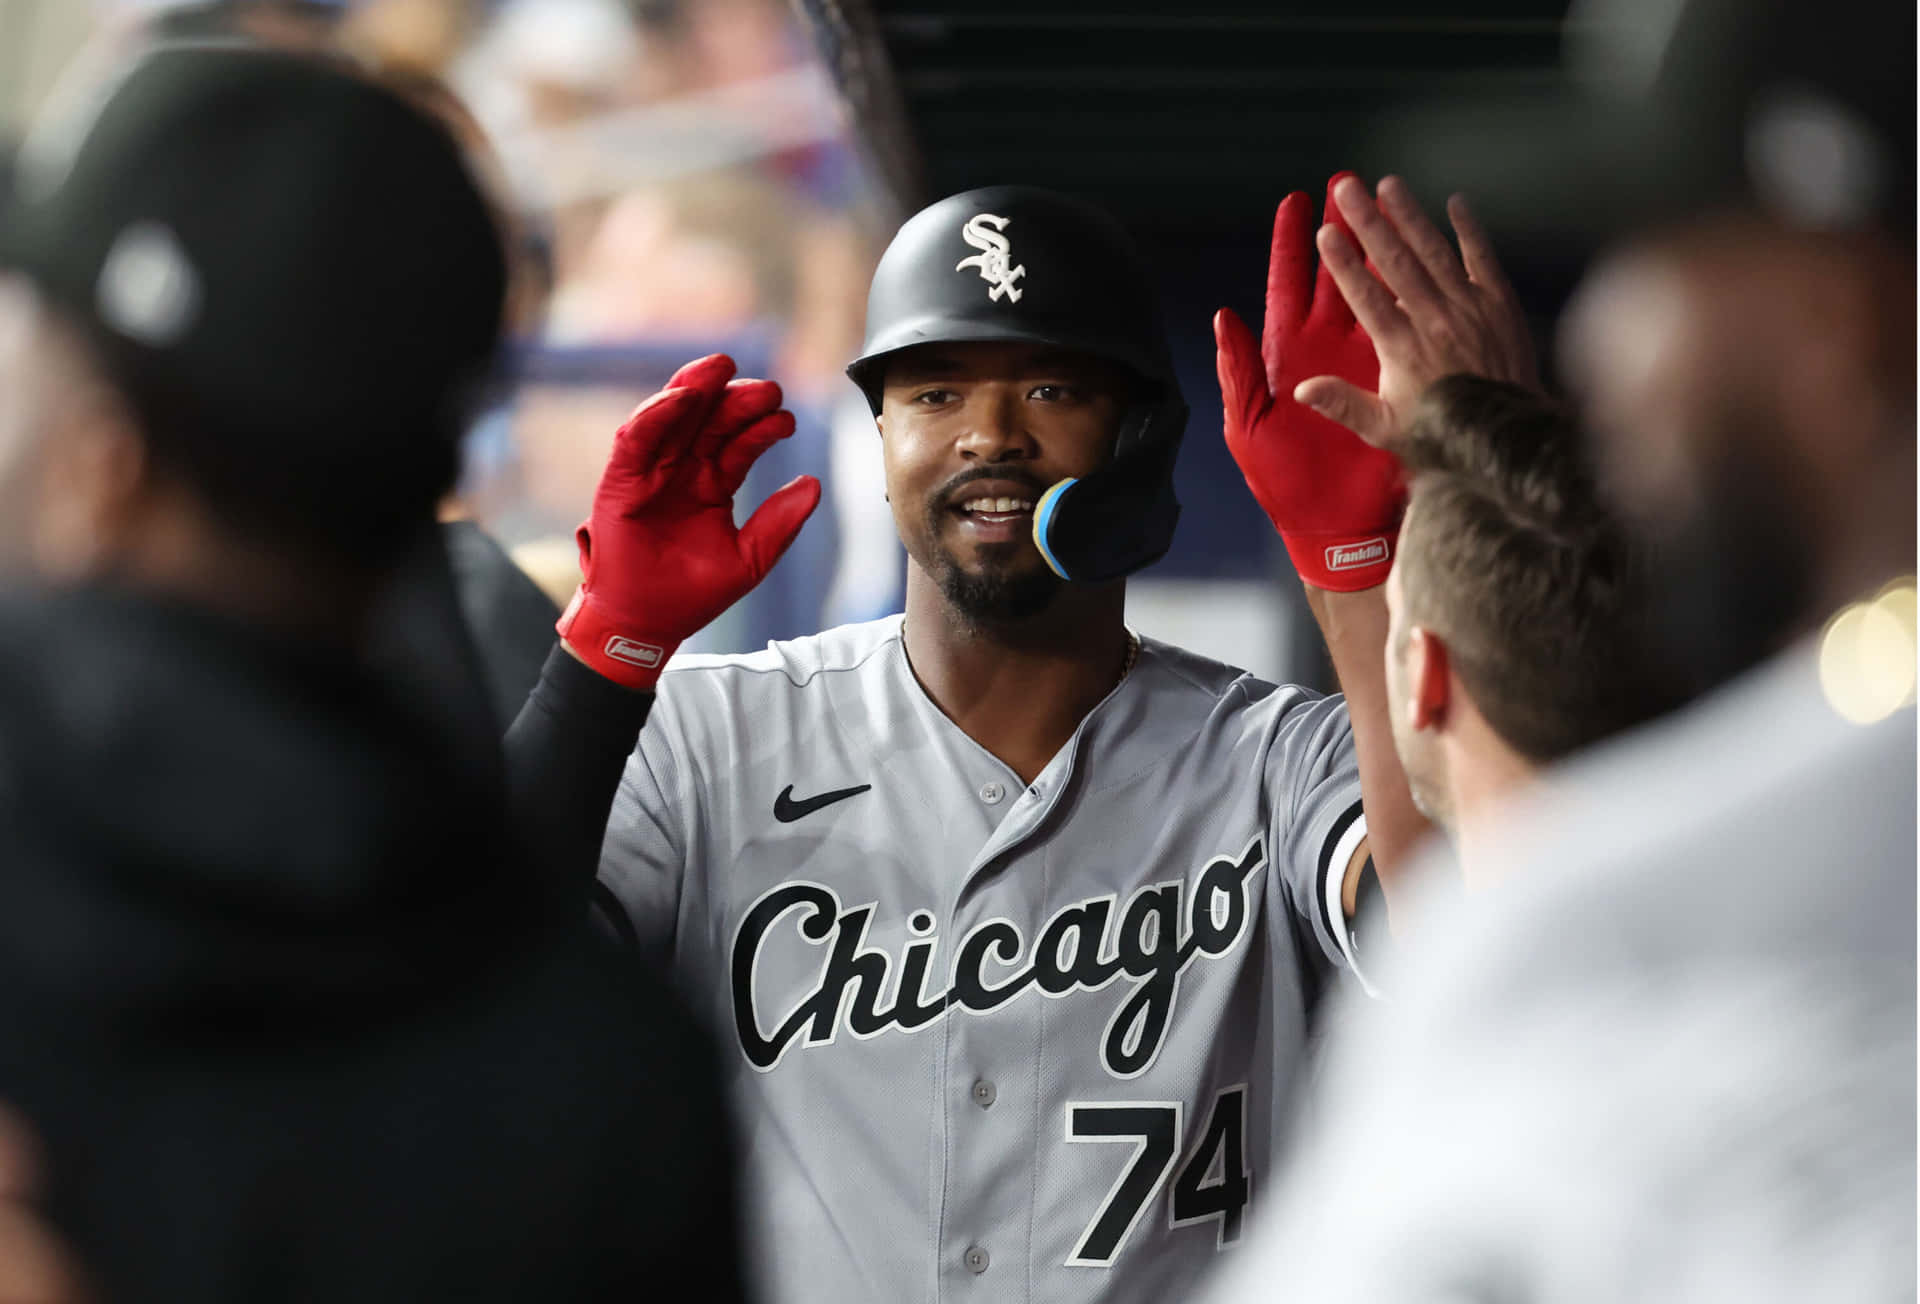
(461, 626)
(1671, 1055)
(285, 1010)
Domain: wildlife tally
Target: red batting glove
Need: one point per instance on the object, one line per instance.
(660, 554)
(1335, 500)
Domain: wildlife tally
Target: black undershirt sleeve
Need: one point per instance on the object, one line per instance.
(566, 751)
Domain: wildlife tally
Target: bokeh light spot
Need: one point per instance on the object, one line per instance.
(1867, 667)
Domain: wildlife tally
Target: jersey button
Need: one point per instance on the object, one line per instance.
(976, 1259)
(984, 1094)
(991, 793)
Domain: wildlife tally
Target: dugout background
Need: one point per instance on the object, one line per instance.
(699, 174)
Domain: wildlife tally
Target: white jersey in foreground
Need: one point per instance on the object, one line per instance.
(991, 1041)
(1669, 1058)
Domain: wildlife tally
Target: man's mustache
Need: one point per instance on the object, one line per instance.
(947, 493)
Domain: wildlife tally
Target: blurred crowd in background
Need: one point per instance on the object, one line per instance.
(686, 180)
(683, 182)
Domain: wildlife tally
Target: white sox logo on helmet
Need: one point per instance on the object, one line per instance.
(995, 261)
(1148, 940)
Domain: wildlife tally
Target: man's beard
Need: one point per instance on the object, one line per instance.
(998, 595)
(1008, 588)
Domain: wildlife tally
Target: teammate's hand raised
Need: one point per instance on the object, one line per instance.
(1335, 501)
(660, 555)
(1429, 312)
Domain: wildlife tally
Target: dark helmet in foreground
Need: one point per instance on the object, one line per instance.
(1024, 265)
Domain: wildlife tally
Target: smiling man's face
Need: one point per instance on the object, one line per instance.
(974, 435)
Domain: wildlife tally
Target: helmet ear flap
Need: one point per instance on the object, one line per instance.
(870, 374)
(1108, 524)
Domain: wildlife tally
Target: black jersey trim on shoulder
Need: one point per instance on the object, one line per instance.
(607, 908)
(1336, 928)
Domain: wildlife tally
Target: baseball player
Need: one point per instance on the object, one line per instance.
(1014, 920)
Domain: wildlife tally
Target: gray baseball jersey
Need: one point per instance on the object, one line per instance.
(991, 1041)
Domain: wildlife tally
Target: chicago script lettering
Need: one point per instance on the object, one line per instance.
(865, 991)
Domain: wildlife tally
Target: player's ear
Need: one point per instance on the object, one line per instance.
(1429, 679)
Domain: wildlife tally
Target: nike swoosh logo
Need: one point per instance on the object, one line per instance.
(787, 810)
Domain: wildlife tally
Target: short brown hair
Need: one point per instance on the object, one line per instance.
(1510, 556)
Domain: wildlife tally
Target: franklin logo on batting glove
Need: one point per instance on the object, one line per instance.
(633, 652)
(1352, 556)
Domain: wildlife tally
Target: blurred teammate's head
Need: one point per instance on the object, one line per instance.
(283, 288)
(1749, 370)
(1752, 389)
(1748, 356)
(529, 257)
(1514, 636)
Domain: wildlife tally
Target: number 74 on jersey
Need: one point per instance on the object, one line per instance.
(1213, 1184)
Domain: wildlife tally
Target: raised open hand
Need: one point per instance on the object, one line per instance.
(660, 555)
(1335, 501)
(1429, 312)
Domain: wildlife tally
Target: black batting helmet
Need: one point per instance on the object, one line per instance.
(1022, 264)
